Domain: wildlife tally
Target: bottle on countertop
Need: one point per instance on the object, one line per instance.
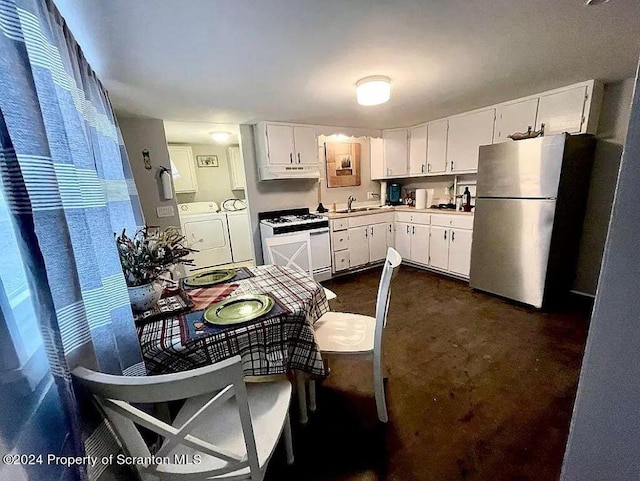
(466, 200)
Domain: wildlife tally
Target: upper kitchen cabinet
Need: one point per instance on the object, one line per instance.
(418, 150)
(183, 169)
(395, 152)
(437, 146)
(466, 134)
(514, 117)
(376, 153)
(236, 168)
(286, 151)
(573, 110)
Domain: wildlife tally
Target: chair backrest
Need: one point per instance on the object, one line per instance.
(391, 262)
(291, 251)
(115, 395)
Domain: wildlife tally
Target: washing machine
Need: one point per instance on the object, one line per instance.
(206, 230)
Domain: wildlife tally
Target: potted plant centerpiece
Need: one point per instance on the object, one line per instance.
(145, 257)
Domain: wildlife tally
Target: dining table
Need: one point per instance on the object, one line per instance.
(279, 342)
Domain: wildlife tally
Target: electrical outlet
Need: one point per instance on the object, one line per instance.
(371, 195)
(165, 211)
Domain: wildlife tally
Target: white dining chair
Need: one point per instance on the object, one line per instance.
(233, 427)
(357, 336)
(293, 251)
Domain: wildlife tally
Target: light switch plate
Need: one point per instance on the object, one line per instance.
(165, 211)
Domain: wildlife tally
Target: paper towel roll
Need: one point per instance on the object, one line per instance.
(383, 193)
(421, 198)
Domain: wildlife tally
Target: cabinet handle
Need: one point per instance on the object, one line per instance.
(366, 232)
(407, 229)
(298, 157)
(422, 168)
(453, 235)
(428, 167)
(371, 231)
(290, 157)
(452, 165)
(389, 227)
(414, 230)
(445, 235)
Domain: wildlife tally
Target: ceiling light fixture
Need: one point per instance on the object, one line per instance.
(591, 3)
(374, 90)
(220, 137)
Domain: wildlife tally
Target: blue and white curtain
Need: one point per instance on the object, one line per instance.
(65, 188)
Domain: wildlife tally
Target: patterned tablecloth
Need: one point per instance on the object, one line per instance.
(271, 346)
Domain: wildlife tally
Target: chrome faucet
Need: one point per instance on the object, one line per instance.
(350, 201)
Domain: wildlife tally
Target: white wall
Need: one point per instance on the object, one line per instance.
(604, 440)
(612, 131)
(214, 183)
(139, 134)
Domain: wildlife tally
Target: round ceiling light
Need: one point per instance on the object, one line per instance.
(220, 137)
(373, 90)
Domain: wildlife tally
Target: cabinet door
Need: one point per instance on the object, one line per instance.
(437, 146)
(466, 134)
(514, 118)
(377, 242)
(236, 168)
(439, 247)
(240, 236)
(418, 150)
(280, 144)
(460, 251)
(403, 239)
(420, 244)
(562, 111)
(183, 169)
(395, 152)
(358, 246)
(376, 158)
(306, 145)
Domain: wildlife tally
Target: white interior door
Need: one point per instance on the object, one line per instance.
(306, 145)
(210, 237)
(460, 251)
(420, 244)
(395, 152)
(403, 239)
(439, 247)
(562, 111)
(437, 146)
(280, 144)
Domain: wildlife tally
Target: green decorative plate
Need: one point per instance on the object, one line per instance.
(209, 278)
(238, 309)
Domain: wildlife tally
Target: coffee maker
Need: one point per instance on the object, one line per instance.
(394, 195)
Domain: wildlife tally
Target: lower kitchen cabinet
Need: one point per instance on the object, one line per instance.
(439, 248)
(358, 246)
(403, 239)
(412, 242)
(460, 251)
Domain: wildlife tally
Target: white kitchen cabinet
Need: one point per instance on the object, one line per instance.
(376, 154)
(460, 251)
(418, 150)
(437, 146)
(466, 134)
(420, 244)
(358, 246)
(395, 152)
(439, 247)
(280, 148)
(562, 111)
(403, 240)
(286, 151)
(378, 242)
(514, 117)
(305, 143)
(183, 169)
(236, 168)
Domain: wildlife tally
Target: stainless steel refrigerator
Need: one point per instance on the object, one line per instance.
(530, 202)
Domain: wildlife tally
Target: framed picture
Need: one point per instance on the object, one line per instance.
(207, 160)
(343, 164)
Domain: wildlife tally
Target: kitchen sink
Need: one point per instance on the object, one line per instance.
(356, 209)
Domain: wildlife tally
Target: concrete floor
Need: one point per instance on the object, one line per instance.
(479, 388)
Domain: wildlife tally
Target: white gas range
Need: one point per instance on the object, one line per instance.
(293, 221)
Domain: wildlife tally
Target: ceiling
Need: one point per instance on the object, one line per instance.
(198, 132)
(240, 61)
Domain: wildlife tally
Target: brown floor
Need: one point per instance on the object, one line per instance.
(478, 389)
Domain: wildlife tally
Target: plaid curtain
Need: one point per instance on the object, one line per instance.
(67, 187)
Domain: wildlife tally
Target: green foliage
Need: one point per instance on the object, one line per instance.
(150, 253)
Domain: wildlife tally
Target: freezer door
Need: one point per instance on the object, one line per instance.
(523, 169)
(510, 249)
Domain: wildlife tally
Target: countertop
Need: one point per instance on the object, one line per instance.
(398, 208)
